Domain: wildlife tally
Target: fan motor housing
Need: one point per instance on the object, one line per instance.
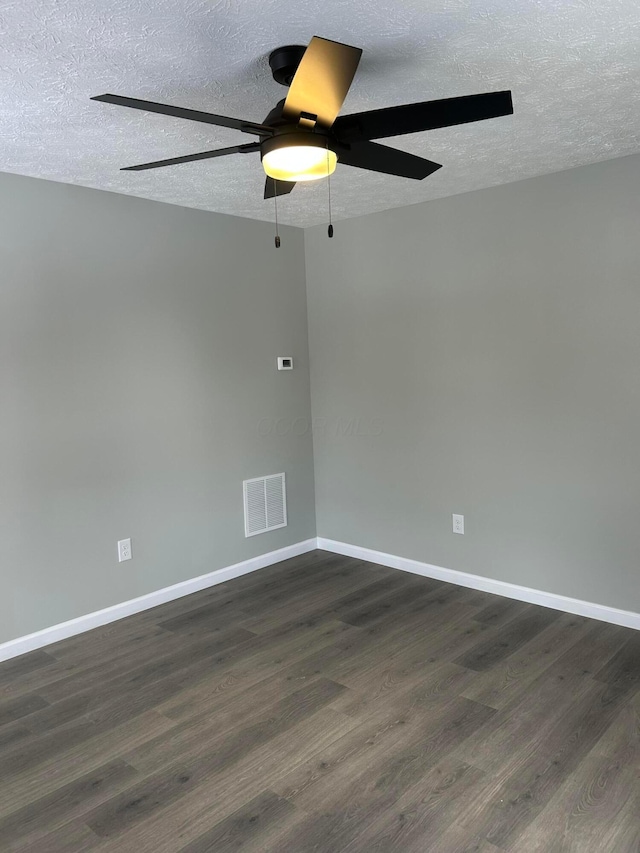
(284, 62)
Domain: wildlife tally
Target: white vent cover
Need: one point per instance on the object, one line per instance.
(265, 504)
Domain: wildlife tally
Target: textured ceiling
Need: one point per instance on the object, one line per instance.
(573, 66)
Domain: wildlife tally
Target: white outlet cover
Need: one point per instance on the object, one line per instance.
(458, 524)
(124, 550)
(285, 362)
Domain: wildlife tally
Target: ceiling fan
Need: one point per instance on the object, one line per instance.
(303, 138)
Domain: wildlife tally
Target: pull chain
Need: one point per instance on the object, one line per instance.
(275, 201)
(330, 228)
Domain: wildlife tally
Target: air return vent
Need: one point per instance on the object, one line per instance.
(265, 504)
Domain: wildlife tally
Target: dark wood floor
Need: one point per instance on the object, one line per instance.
(330, 705)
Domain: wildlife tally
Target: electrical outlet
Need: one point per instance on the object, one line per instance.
(124, 550)
(458, 524)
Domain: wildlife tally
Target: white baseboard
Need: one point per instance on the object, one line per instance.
(39, 639)
(627, 618)
(20, 645)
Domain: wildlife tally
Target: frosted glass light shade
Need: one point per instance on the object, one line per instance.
(299, 162)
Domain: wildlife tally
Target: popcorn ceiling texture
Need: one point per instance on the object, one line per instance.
(573, 66)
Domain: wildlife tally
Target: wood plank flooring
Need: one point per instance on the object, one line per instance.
(330, 705)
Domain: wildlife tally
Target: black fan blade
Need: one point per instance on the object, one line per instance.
(191, 115)
(413, 118)
(321, 83)
(189, 158)
(273, 188)
(390, 161)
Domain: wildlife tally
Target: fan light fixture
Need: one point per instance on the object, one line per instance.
(299, 137)
(298, 157)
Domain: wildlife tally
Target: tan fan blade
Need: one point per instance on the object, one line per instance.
(322, 81)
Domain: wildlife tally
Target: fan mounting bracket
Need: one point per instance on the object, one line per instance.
(284, 62)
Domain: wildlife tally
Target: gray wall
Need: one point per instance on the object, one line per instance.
(481, 354)
(138, 344)
(478, 354)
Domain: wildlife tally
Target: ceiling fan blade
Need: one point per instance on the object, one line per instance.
(189, 158)
(428, 115)
(322, 81)
(390, 161)
(191, 115)
(273, 188)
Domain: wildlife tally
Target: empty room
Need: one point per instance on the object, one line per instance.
(319, 427)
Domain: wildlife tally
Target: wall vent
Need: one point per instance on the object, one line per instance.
(265, 504)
